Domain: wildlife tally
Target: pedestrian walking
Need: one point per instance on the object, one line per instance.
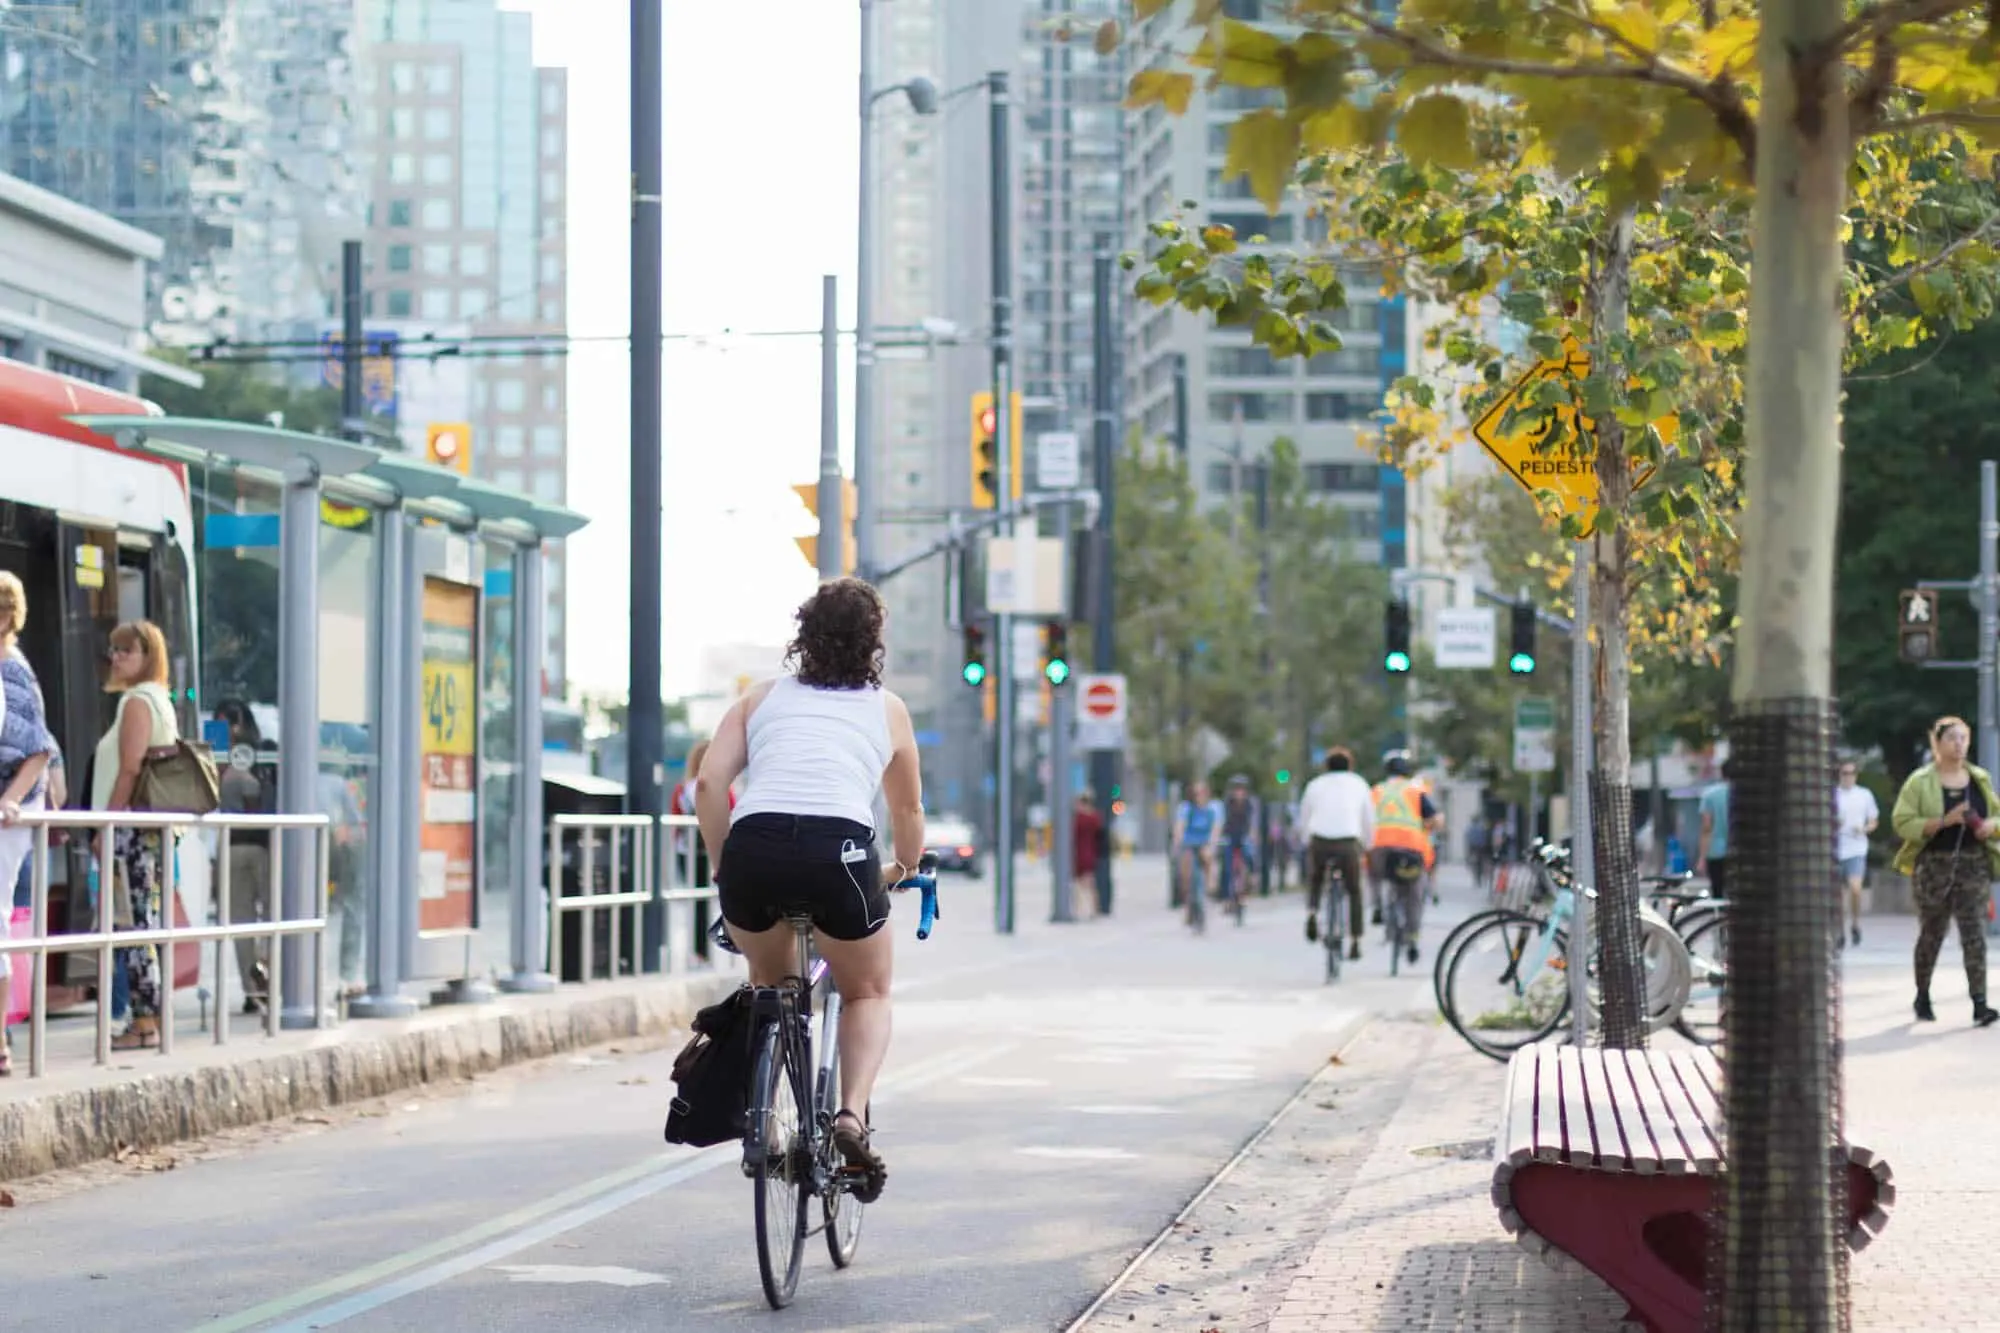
(1856, 814)
(1712, 858)
(1945, 817)
(26, 747)
(144, 722)
(1086, 845)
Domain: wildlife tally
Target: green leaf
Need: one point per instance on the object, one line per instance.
(1436, 130)
(1250, 57)
(1263, 146)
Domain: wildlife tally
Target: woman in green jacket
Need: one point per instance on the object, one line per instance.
(1949, 819)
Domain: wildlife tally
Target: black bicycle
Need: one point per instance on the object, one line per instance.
(1333, 881)
(788, 1149)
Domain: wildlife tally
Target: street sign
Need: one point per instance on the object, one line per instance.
(1058, 460)
(1534, 735)
(1009, 590)
(1525, 452)
(1465, 638)
(1916, 625)
(1100, 712)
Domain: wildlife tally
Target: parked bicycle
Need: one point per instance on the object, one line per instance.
(1502, 977)
(788, 1149)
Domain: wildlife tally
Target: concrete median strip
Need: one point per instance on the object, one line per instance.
(73, 1118)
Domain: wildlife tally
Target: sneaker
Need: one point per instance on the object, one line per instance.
(1983, 1016)
(1375, 918)
(1354, 951)
(1312, 927)
(1926, 1014)
(1413, 954)
(1857, 936)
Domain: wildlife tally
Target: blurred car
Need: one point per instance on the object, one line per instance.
(953, 841)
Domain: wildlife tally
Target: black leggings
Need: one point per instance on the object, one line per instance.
(775, 866)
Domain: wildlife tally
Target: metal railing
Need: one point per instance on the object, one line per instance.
(626, 847)
(615, 831)
(107, 939)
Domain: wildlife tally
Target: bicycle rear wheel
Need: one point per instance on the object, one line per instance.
(1700, 1018)
(780, 1172)
(1334, 939)
(1448, 948)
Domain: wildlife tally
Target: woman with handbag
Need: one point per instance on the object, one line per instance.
(144, 724)
(26, 748)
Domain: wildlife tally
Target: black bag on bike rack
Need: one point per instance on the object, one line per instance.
(712, 1075)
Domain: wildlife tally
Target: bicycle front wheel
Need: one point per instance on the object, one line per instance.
(780, 1170)
(1448, 948)
(1492, 1000)
(1708, 958)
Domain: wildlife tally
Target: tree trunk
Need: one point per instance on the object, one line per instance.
(1621, 967)
(1781, 1261)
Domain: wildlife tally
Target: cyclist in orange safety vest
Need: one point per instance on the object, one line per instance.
(1405, 819)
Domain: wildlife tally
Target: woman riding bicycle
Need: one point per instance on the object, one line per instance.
(813, 748)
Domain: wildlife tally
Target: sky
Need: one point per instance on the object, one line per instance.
(759, 203)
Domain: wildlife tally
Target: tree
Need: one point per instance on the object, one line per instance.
(239, 391)
(1180, 581)
(1728, 93)
(1916, 429)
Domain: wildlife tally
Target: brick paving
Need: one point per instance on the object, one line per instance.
(1365, 1209)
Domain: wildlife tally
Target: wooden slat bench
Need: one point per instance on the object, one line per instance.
(1609, 1159)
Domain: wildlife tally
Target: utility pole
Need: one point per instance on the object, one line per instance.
(865, 498)
(1989, 617)
(1103, 446)
(830, 516)
(1581, 864)
(1062, 790)
(644, 724)
(1181, 404)
(1002, 204)
(353, 407)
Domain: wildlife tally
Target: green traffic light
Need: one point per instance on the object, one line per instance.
(1284, 776)
(974, 673)
(1396, 662)
(1521, 664)
(1057, 671)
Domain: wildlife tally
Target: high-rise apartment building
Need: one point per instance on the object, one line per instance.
(466, 147)
(221, 128)
(1240, 398)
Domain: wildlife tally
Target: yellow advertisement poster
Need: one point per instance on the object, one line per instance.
(450, 729)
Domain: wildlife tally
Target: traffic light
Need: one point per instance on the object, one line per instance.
(1396, 637)
(808, 494)
(973, 673)
(986, 450)
(1521, 657)
(449, 444)
(1284, 777)
(1055, 652)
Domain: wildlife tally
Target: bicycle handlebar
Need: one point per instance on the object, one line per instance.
(925, 882)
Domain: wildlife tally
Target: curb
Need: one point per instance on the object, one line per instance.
(73, 1127)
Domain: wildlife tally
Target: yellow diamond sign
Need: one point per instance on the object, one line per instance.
(1525, 449)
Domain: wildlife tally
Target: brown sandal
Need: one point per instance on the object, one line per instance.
(850, 1138)
(143, 1034)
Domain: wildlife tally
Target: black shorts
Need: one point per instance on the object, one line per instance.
(775, 866)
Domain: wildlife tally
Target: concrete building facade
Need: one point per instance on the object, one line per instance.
(73, 290)
(465, 148)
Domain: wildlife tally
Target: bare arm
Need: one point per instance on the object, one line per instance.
(25, 778)
(135, 728)
(727, 754)
(58, 786)
(903, 790)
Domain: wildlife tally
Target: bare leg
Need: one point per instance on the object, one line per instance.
(862, 970)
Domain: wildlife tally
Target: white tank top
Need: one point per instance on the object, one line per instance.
(816, 752)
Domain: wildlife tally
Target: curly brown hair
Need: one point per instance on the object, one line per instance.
(839, 644)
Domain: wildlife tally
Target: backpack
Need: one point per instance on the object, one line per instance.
(712, 1075)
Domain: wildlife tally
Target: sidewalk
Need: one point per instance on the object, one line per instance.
(1366, 1207)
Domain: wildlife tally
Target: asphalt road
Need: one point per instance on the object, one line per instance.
(1051, 1102)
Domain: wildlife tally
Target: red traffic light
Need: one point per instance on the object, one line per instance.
(989, 420)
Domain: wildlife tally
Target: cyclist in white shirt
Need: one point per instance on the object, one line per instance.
(1337, 819)
(1857, 814)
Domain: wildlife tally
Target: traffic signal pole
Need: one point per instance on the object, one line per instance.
(831, 518)
(1985, 592)
(1001, 202)
(1103, 763)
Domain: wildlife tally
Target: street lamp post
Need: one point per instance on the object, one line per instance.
(923, 99)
